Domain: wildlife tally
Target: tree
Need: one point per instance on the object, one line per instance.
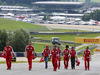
(86, 17)
(46, 18)
(3, 39)
(96, 15)
(18, 40)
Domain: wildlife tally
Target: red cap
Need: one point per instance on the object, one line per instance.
(47, 45)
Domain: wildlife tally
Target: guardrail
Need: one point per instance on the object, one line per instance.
(79, 52)
(54, 33)
(22, 54)
(69, 42)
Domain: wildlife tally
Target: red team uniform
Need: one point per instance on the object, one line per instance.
(54, 58)
(9, 52)
(66, 53)
(46, 53)
(87, 54)
(59, 58)
(29, 50)
(73, 55)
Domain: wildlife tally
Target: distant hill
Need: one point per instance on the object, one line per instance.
(13, 25)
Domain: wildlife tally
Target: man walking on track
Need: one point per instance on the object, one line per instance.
(54, 53)
(8, 51)
(29, 53)
(87, 58)
(59, 56)
(73, 55)
(66, 53)
(46, 53)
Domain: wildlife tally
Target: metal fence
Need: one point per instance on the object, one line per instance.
(80, 52)
(39, 54)
(54, 33)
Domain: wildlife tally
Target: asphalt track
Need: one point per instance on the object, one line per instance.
(38, 68)
(75, 27)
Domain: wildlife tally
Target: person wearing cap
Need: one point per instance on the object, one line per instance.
(46, 53)
(54, 55)
(73, 56)
(87, 58)
(59, 56)
(29, 53)
(66, 53)
(8, 51)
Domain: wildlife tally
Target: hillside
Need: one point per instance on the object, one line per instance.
(13, 25)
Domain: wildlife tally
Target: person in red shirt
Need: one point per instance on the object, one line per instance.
(8, 50)
(29, 53)
(46, 53)
(59, 56)
(54, 53)
(66, 53)
(87, 57)
(73, 55)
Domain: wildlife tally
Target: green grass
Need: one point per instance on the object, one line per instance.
(13, 25)
(92, 53)
(85, 47)
(39, 47)
(66, 37)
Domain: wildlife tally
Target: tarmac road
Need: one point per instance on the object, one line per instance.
(38, 68)
(75, 27)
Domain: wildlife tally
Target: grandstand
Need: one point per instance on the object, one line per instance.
(56, 5)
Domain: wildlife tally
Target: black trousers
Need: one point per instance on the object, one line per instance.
(72, 62)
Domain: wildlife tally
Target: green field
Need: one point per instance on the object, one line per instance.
(85, 47)
(66, 37)
(13, 25)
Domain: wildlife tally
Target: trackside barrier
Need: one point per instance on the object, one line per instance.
(69, 42)
(79, 52)
(22, 54)
(54, 33)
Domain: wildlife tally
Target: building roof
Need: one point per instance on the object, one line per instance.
(58, 2)
(13, 7)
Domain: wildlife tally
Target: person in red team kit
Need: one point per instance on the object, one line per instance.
(66, 53)
(59, 56)
(29, 53)
(54, 53)
(46, 53)
(73, 55)
(9, 52)
(87, 57)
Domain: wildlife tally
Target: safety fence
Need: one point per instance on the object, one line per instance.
(61, 33)
(80, 52)
(38, 54)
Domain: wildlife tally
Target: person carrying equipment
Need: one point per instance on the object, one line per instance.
(87, 58)
(66, 53)
(46, 53)
(8, 51)
(29, 53)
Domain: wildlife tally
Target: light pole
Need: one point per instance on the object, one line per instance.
(66, 12)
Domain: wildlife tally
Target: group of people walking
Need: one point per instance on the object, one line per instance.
(55, 54)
